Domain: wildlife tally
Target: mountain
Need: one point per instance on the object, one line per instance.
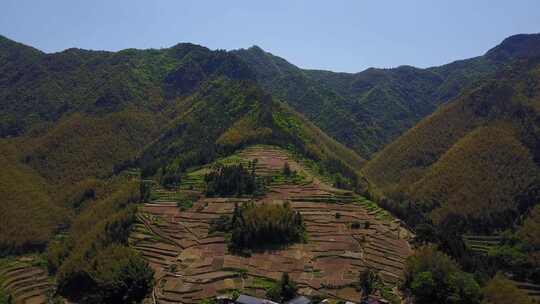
(367, 110)
(77, 114)
(89, 137)
(478, 156)
(43, 87)
(71, 117)
(227, 115)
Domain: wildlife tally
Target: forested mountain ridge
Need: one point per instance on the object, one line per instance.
(37, 88)
(478, 156)
(70, 117)
(226, 115)
(83, 133)
(364, 111)
(367, 110)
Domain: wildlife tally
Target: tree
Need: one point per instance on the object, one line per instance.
(287, 169)
(145, 188)
(464, 289)
(368, 280)
(424, 288)
(288, 287)
(121, 275)
(5, 298)
(234, 180)
(284, 290)
(259, 226)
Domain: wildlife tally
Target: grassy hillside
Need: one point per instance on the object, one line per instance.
(477, 157)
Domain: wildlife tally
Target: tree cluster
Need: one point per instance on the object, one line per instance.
(93, 264)
(260, 226)
(233, 180)
(433, 277)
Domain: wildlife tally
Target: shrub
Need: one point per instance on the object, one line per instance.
(284, 290)
(287, 170)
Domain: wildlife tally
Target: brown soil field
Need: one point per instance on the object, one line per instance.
(192, 265)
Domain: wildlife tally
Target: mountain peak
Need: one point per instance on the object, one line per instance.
(256, 48)
(6, 43)
(515, 47)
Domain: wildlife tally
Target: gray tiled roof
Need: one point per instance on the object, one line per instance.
(244, 299)
(299, 300)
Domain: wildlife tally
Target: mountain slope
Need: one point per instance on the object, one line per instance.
(479, 156)
(226, 115)
(43, 87)
(367, 110)
(79, 115)
(327, 109)
(29, 213)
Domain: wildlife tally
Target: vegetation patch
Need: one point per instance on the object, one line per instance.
(261, 226)
(93, 264)
(233, 180)
(433, 277)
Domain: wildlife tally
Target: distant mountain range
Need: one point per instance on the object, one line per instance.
(82, 133)
(367, 110)
(80, 114)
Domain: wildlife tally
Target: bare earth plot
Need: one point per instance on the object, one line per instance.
(191, 264)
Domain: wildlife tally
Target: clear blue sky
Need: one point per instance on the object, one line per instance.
(336, 35)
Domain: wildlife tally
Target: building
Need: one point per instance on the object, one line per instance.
(244, 299)
(299, 300)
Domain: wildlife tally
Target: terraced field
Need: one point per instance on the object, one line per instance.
(27, 284)
(481, 243)
(533, 290)
(346, 234)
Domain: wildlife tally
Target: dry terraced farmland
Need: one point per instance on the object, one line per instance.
(25, 282)
(346, 234)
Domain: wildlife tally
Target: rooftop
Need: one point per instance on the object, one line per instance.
(244, 299)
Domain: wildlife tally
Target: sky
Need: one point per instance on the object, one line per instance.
(338, 35)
